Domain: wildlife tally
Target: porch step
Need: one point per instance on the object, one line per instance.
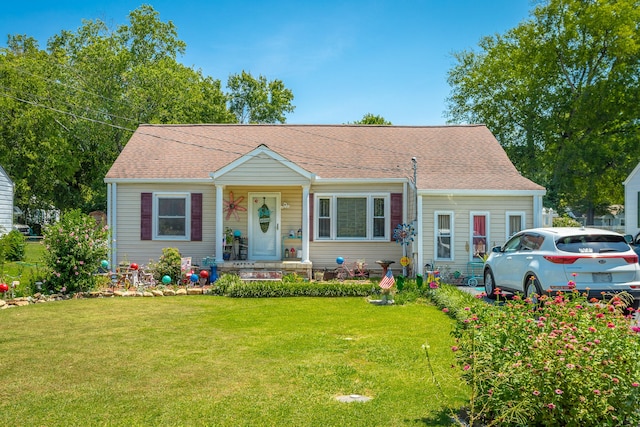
(251, 275)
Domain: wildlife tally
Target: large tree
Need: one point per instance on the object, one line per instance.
(371, 119)
(66, 112)
(561, 93)
(257, 100)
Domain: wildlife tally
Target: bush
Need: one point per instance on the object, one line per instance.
(565, 221)
(12, 246)
(562, 361)
(266, 289)
(75, 246)
(169, 264)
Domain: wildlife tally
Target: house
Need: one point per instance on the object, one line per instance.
(296, 197)
(6, 202)
(632, 202)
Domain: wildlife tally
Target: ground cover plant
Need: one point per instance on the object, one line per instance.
(210, 360)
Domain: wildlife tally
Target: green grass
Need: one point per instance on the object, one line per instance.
(217, 361)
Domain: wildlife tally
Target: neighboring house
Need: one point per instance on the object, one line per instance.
(6, 202)
(632, 202)
(344, 187)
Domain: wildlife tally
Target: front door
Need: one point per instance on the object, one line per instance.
(264, 226)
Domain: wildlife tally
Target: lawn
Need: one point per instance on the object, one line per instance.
(219, 361)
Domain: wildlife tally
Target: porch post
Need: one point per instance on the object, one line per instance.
(219, 223)
(305, 223)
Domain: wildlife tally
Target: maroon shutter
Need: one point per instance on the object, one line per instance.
(311, 217)
(396, 212)
(146, 216)
(196, 217)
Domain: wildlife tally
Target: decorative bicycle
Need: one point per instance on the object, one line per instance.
(357, 270)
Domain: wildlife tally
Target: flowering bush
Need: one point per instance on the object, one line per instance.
(560, 361)
(74, 248)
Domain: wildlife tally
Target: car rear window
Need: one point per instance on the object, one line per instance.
(592, 243)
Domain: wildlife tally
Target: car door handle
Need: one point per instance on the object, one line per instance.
(529, 257)
(509, 257)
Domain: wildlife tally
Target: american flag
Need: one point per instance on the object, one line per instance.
(387, 281)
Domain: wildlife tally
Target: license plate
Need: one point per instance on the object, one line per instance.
(601, 277)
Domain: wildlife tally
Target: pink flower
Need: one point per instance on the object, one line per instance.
(433, 285)
(636, 384)
(467, 309)
(445, 310)
(596, 392)
(466, 367)
(536, 393)
(454, 348)
(558, 391)
(635, 328)
(551, 406)
(571, 284)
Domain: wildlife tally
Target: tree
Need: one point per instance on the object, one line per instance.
(370, 119)
(561, 93)
(258, 100)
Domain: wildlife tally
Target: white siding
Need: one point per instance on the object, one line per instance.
(462, 207)
(6, 202)
(262, 169)
(631, 205)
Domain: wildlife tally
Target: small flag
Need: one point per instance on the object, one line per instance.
(387, 281)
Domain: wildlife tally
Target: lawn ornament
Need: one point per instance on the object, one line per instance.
(232, 207)
(166, 280)
(133, 266)
(104, 263)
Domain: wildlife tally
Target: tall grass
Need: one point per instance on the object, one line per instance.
(217, 361)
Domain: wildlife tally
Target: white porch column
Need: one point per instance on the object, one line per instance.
(420, 235)
(305, 223)
(219, 222)
(112, 223)
(537, 211)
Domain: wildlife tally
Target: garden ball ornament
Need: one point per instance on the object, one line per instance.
(340, 260)
(133, 266)
(194, 277)
(104, 263)
(4, 288)
(166, 280)
(204, 274)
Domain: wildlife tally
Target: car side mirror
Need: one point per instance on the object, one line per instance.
(496, 249)
(628, 238)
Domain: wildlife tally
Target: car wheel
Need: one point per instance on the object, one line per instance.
(532, 288)
(489, 284)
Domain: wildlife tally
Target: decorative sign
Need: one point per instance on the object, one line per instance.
(231, 206)
(264, 216)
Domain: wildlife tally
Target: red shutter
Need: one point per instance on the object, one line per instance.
(196, 217)
(311, 217)
(396, 212)
(146, 216)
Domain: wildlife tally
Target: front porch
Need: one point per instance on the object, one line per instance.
(286, 267)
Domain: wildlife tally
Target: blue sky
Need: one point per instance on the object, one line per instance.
(341, 59)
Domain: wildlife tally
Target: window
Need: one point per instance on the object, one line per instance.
(172, 214)
(515, 223)
(352, 217)
(443, 230)
(479, 234)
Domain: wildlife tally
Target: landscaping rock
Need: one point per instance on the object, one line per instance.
(169, 292)
(181, 291)
(194, 291)
(3, 303)
(157, 293)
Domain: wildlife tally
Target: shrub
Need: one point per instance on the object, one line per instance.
(565, 221)
(266, 289)
(74, 248)
(12, 246)
(169, 264)
(561, 361)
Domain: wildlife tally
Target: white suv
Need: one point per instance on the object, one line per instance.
(547, 259)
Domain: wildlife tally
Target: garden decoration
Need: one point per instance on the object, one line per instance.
(264, 216)
(231, 206)
(134, 266)
(104, 263)
(403, 235)
(4, 288)
(193, 278)
(166, 280)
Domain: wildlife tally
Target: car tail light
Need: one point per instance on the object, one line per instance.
(570, 259)
(561, 259)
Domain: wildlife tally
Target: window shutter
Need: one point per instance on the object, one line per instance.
(146, 216)
(311, 217)
(396, 212)
(196, 217)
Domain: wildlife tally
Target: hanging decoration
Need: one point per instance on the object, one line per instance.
(231, 206)
(264, 216)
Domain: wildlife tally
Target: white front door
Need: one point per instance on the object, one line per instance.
(264, 226)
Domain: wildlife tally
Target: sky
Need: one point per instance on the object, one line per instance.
(341, 59)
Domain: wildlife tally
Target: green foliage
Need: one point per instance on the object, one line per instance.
(271, 289)
(12, 246)
(370, 119)
(169, 264)
(560, 88)
(565, 221)
(75, 246)
(562, 361)
(258, 100)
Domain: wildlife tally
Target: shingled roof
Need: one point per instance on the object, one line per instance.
(459, 157)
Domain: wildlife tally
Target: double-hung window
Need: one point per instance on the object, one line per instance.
(352, 217)
(515, 223)
(172, 213)
(479, 234)
(443, 229)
